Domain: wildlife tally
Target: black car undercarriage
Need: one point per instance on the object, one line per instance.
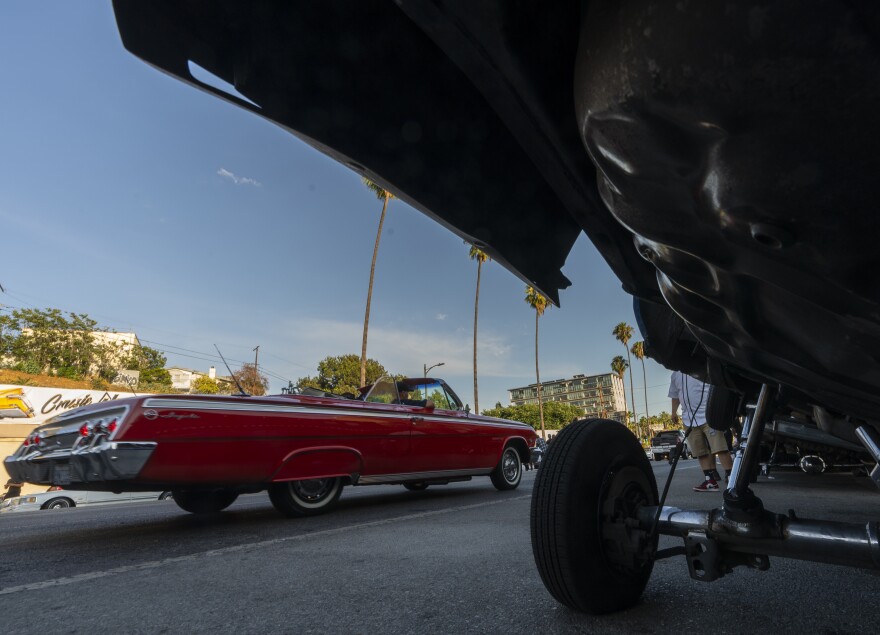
(719, 157)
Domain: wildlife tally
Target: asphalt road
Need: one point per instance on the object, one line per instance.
(452, 559)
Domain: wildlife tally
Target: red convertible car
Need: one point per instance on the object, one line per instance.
(301, 447)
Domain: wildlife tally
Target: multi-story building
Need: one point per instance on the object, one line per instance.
(597, 395)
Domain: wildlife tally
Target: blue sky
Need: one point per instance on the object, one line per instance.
(156, 208)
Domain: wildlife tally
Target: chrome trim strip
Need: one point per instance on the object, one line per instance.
(420, 476)
(71, 427)
(192, 404)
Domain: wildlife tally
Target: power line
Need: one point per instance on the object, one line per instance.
(287, 361)
(208, 357)
(189, 353)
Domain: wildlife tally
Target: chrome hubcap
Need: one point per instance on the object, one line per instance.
(314, 490)
(510, 466)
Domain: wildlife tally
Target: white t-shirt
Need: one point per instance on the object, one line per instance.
(692, 395)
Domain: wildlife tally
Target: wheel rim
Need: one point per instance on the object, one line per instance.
(510, 466)
(625, 546)
(314, 492)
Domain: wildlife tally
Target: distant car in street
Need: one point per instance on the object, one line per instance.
(665, 445)
(63, 498)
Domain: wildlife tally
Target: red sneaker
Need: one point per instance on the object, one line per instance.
(709, 485)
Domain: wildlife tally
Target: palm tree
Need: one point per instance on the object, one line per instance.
(602, 399)
(619, 366)
(539, 303)
(383, 195)
(624, 332)
(638, 349)
(480, 256)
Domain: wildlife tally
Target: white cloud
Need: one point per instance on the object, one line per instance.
(441, 316)
(238, 180)
(399, 350)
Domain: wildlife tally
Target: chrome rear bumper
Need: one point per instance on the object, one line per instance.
(108, 461)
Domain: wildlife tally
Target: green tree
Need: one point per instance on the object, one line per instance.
(619, 366)
(557, 414)
(205, 386)
(253, 382)
(539, 303)
(151, 364)
(341, 374)
(663, 421)
(638, 349)
(385, 196)
(624, 332)
(49, 341)
(480, 256)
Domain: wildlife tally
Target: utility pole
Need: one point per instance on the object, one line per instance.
(257, 358)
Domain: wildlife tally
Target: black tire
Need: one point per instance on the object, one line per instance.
(596, 477)
(58, 503)
(164, 496)
(416, 487)
(203, 501)
(296, 499)
(721, 408)
(508, 473)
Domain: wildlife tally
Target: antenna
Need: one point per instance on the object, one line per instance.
(130, 383)
(231, 374)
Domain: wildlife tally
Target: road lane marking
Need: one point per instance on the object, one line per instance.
(155, 564)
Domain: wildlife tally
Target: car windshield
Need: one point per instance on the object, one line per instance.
(383, 391)
(437, 392)
(386, 391)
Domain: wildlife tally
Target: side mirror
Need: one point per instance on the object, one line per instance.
(467, 409)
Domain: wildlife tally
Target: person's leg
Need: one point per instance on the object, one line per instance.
(707, 462)
(700, 447)
(709, 467)
(718, 447)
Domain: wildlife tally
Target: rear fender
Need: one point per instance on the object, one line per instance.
(322, 462)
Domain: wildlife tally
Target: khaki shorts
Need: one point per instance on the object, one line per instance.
(704, 440)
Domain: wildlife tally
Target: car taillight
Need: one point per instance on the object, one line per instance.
(85, 429)
(37, 439)
(106, 428)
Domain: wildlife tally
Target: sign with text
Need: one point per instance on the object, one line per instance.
(34, 405)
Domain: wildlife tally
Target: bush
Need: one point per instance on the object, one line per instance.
(29, 366)
(205, 386)
(68, 373)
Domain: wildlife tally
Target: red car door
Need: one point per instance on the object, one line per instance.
(448, 438)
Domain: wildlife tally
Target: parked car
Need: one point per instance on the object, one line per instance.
(665, 445)
(59, 498)
(301, 447)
